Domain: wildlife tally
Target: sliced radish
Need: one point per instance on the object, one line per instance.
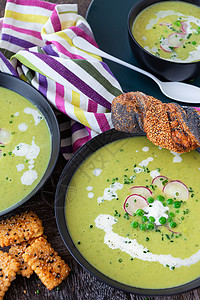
(5, 136)
(175, 232)
(133, 203)
(164, 45)
(176, 189)
(141, 190)
(158, 181)
(184, 27)
(164, 24)
(176, 40)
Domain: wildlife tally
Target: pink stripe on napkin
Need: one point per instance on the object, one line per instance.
(37, 3)
(55, 21)
(59, 96)
(79, 142)
(64, 51)
(102, 122)
(25, 31)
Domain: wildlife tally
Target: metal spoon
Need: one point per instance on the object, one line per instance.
(175, 90)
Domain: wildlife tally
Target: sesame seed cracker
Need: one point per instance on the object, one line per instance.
(16, 251)
(46, 263)
(20, 228)
(8, 269)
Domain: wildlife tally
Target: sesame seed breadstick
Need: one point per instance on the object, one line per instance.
(46, 263)
(167, 125)
(20, 228)
(8, 269)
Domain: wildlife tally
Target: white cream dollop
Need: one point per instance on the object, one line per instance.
(154, 173)
(145, 162)
(29, 177)
(90, 195)
(110, 192)
(20, 167)
(97, 172)
(177, 157)
(22, 127)
(156, 210)
(29, 151)
(89, 188)
(35, 113)
(145, 149)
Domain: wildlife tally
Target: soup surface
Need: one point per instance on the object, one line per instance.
(162, 238)
(25, 147)
(170, 30)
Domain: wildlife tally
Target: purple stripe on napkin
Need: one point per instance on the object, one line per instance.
(107, 69)
(16, 41)
(8, 65)
(73, 79)
(48, 49)
(76, 126)
(66, 149)
(43, 85)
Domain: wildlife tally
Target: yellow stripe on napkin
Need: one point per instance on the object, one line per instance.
(26, 17)
(79, 113)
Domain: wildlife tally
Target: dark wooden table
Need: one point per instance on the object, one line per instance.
(80, 285)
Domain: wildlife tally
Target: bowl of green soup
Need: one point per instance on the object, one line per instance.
(29, 141)
(128, 211)
(165, 37)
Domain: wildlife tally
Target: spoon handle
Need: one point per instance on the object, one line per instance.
(86, 46)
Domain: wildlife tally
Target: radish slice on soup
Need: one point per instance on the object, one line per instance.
(5, 136)
(184, 27)
(176, 189)
(164, 45)
(141, 190)
(159, 181)
(133, 203)
(164, 24)
(174, 40)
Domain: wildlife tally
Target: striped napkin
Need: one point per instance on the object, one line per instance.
(36, 45)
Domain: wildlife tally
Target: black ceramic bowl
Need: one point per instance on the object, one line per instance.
(164, 69)
(82, 154)
(36, 98)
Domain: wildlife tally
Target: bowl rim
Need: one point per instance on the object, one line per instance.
(130, 24)
(80, 156)
(39, 101)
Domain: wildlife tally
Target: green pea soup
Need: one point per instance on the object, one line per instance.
(125, 247)
(25, 156)
(170, 30)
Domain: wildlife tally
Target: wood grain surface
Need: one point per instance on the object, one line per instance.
(80, 285)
